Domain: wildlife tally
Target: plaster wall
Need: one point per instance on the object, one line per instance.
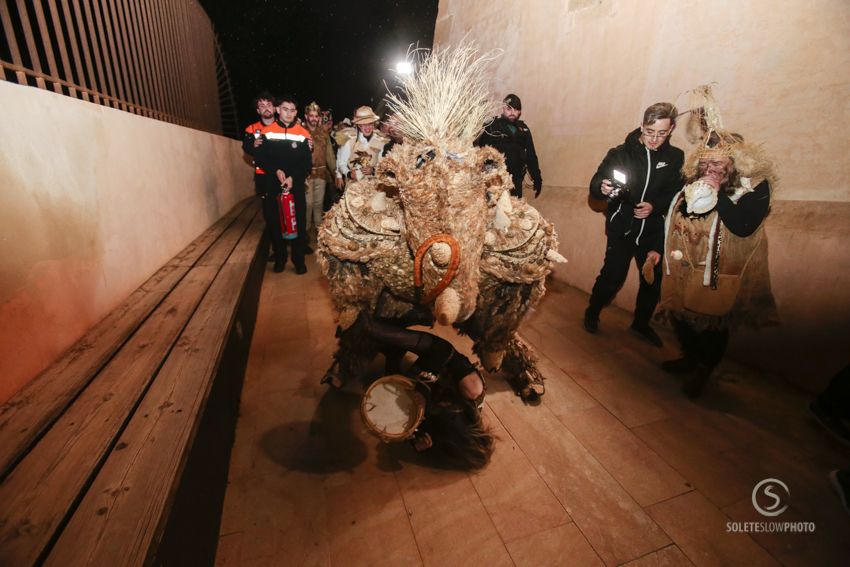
(586, 69)
(92, 202)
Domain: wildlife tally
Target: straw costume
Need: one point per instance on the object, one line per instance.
(715, 266)
(436, 230)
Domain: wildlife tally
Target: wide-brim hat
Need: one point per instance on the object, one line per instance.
(365, 115)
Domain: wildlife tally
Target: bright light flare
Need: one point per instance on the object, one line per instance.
(404, 67)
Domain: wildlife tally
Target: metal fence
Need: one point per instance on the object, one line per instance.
(155, 58)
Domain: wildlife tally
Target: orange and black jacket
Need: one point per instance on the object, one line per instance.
(287, 148)
(254, 131)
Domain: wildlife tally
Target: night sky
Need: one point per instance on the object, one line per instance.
(335, 52)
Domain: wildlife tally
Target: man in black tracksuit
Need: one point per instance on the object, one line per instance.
(634, 220)
(512, 137)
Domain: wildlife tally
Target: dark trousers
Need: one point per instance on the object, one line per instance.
(836, 398)
(704, 347)
(272, 213)
(618, 258)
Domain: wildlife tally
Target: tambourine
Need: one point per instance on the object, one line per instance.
(390, 410)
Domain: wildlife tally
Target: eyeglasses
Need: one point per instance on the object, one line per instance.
(655, 135)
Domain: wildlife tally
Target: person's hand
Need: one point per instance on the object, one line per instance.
(711, 179)
(606, 187)
(339, 182)
(643, 210)
(422, 442)
(310, 143)
(367, 170)
(654, 256)
(281, 176)
(537, 190)
(258, 142)
(287, 183)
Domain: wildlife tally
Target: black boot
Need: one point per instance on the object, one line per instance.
(696, 383)
(644, 331)
(591, 321)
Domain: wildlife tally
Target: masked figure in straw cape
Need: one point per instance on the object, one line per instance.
(436, 230)
(715, 267)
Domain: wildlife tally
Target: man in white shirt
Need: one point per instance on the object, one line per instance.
(361, 147)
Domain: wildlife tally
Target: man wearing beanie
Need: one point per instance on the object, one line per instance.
(512, 137)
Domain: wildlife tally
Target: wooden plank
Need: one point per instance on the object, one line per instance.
(369, 525)
(115, 58)
(644, 475)
(712, 473)
(563, 545)
(86, 42)
(137, 57)
(121, 517)
(47, 44)
(216, 255)
(9, 32)
(449, 521)
(41, 490)
(516, 498)
(670, 556)
(125, 55)
(699, 530)
(28, 37)
(60, 43)
(105, 41)
(615, 525)
(24, 417)
(158, 31)
(151, 58)
(75, 52)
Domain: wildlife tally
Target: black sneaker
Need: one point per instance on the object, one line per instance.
(591, 322)
(308, 250)
(647, 333)
(278, 266)
(831, 422)
(301, 270)
(840, 480)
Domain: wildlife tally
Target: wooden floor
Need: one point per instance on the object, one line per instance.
(614, 467)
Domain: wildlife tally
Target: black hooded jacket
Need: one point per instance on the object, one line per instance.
(514, 141)
(651, 175)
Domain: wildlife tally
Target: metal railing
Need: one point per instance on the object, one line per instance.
(155, 58)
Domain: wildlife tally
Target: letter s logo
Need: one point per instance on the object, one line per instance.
(769, 485)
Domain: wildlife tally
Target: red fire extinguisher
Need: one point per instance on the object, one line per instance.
(286, 207)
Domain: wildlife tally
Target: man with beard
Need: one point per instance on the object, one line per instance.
(286, 158)
(252, 138)
(648, 170)
(320, 175)
(512, 137)
(715, 266)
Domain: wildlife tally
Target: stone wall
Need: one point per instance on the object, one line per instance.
(586, 69)
(93, 201)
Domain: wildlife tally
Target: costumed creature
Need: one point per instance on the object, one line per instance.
(716, 273)
(436, 230)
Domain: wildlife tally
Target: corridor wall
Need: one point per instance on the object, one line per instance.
(586, 69)
(93, 201)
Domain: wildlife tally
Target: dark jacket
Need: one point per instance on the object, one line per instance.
(514, 141)
(286, 149)
(652, 176)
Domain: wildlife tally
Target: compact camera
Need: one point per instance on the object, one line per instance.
(620, 191)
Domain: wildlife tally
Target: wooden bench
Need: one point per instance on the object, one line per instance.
(117, 453)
